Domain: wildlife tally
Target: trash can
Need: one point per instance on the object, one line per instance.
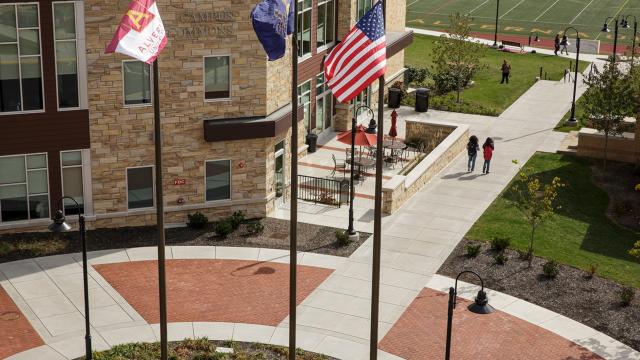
(422, 100)
(312, 141)
(344, 191)
(395, 96)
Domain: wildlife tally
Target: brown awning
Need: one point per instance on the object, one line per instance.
(250, 127)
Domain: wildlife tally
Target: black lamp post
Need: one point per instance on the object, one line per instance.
(572, 120)
(59, 225)
(495, 35)
(625, 25)
(536, 39)
(354, 123)
(479, 306)
(605, 28)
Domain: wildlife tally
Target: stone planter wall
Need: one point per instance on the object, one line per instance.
(620, 148)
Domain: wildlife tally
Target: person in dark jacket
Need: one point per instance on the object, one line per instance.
(472, 150)
(564, 43)
(487, 149)
(556, 44)
(506, 72)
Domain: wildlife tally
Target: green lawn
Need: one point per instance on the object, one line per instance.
(487, 90)
(579, 234)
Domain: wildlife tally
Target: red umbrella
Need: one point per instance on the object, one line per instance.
(362, 138)
(393, 132)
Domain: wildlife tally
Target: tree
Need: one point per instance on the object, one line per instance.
(608, 101)
(536, 200)
(456, 57)
(636, 250)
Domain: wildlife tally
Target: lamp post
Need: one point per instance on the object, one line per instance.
(536, 39)
(605, 28)
(479, 306)
(354, 122)
(60, 225)
(625, 25)
(495, 35)
(572, 120)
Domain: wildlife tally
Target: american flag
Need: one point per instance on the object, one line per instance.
(360, 58)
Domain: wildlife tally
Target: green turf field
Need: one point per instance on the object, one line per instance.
(547, 17)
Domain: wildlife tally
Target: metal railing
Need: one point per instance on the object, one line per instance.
(323, 191)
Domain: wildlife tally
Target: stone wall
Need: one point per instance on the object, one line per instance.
(620, 148)
(400, 188)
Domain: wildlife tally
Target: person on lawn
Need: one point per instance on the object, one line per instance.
(488, 154)
(556, 44)
(472, 150)
(506, 72)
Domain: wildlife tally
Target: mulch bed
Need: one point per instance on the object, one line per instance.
(311, 238)
(594, 302)
(619, 181)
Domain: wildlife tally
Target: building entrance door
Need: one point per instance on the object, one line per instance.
(280, 174)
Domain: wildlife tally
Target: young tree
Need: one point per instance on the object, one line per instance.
(636, 250)
(608, 101)
(536, 200)
(456, 57)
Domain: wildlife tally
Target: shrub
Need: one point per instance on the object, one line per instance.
(197, 220)
(416, 75)
(255, 227)
(223, 228)
(626, 295)
(524, 255)
(449, 103)
(342, 238)
(236, 219)
(591, 271)
(472, 250)
(500, 244)
(501, 258)
(551, 269)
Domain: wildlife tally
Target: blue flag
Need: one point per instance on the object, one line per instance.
(272, 21)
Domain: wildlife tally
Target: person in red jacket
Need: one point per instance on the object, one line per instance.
(488, 154)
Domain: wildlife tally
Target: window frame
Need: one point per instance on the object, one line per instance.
(153, 184)
(300, 11)
(333, 13)
(77, 41)
(26, 184)
(81, 166)
(40, 55)
(326, 94)
(124, 95)
(230, 181)
(364, 11)
(204, 78)
(301, 96)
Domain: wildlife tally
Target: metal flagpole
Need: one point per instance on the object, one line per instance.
(160, 213)
(293, 218)
(377, 216)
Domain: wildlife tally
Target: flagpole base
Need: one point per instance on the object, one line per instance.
(354, 237)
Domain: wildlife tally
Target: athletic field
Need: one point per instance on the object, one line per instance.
(521, 17)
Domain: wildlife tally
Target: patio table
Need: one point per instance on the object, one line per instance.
(361, 162)
(394, 146)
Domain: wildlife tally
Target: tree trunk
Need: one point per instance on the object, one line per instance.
(530, 254)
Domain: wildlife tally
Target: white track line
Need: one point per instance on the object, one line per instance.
(580, 13)
(413, 2)
(505, 14)
(544, 12)
(478, 7)
(614, 16)
(493, 18)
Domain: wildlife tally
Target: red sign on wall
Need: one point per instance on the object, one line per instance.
(179, 181)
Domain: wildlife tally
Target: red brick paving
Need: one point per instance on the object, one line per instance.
(420, 334)
(213, 290)
(16, 333)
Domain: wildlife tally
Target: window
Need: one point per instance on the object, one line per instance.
(363, 7)
(217, 78)
(304, 27)
(20, 63)
(71, 162)
(64, 21)
(362, 99)
(326, 15)
(137, 82)
(304, 99)
(140, 187)
(218, 180)
(24, 187)
(324, 102)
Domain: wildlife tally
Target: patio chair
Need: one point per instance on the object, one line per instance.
(371, 152)
(338, 166)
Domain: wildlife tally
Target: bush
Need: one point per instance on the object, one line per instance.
(472, 250)
(223, 228)
(591, 271)
(255, 228)
(626, 295)
(501, 258)
(445, 82)
(416, 75)
(236, 219)
(524, 255)
(197, 220)
(500, 244)
(551, 269)
(450, 103)
(342, 238)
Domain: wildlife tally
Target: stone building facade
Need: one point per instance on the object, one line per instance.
(225, 109)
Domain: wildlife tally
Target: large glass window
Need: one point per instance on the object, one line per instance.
(304, 100)
(362, 99)
(326, 15)
(324, 102)
(217, 77)
(137, 82)
(20, 58)
(363, 7)
(24, 187)
(64, 21)
(71, 162)
(140, 187)
(218, 180)
(304, 27)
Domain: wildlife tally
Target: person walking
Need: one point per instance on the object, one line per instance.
(556, 44)
(564, 43)
(472, 150)
(487, 148)
(506, 72)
